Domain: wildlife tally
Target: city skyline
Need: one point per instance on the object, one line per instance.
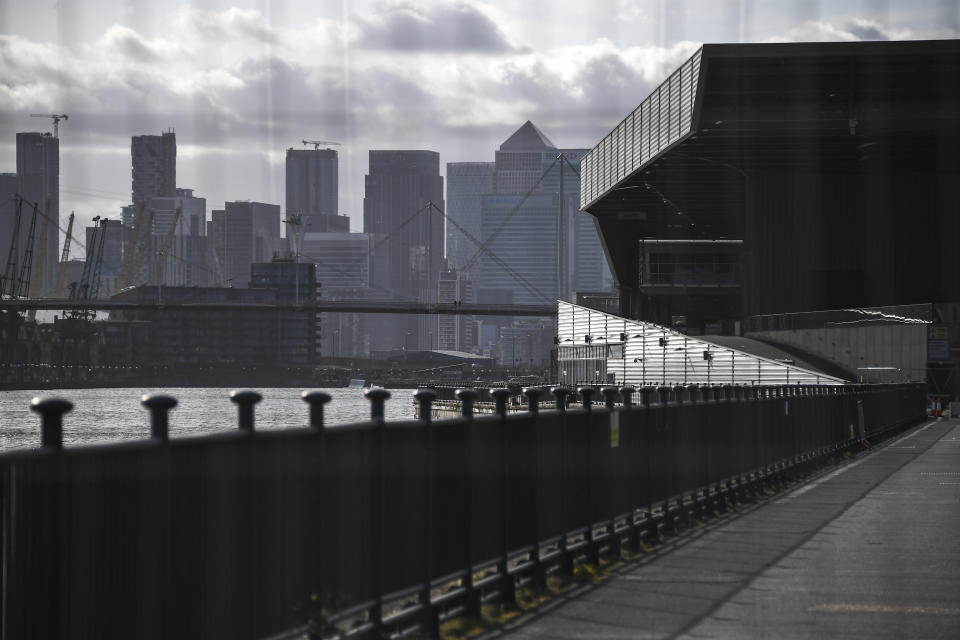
(242, 84)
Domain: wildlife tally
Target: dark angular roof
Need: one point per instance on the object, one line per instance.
(527, 138)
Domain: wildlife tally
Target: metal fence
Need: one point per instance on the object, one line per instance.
(245, 534)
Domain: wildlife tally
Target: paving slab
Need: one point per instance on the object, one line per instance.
(869, 549)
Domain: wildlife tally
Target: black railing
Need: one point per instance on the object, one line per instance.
(382, 526)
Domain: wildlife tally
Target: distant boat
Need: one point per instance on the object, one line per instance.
(356, 383)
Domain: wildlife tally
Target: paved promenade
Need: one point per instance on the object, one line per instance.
(869, 550)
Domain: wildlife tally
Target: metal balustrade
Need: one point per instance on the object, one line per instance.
(382, 526)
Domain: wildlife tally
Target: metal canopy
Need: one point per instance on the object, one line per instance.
(845, 108)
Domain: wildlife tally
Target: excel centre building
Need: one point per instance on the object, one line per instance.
(802, 195)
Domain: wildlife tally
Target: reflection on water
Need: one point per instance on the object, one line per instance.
(101, 415)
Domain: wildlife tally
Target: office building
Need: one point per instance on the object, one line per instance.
(294, 282)
(455, 333)
(38, 182)
(312, 189)
(342, 262)
(467, 183)
(154, 166)
(402, 205)
(242, 233)
(8, 214)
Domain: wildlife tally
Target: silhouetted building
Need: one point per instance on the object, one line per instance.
(154, 166)
(295, 282)
(38, 182)
(8, 213)
(458, 332)
(402, 205)
(836, 164)
(312, 189)
(243, 233)
(467, 183)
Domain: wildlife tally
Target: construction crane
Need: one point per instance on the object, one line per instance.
(39, 261)
(316, 143)
(146, 234)
(64, 257)
(130, 249)
(164, 256)
(26, 267)
(56, 120)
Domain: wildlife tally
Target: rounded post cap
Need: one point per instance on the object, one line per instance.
(245, 396)
(586, 392)
(158, 400)
(533, 392)
(609, 391)
(628, 389)
(425, 395)
(466, 394)
(560, 390)
(500, 392)
(50, 404)
(315, 397)
(377, 394)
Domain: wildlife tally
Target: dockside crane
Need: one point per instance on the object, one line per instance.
(130, 249)
(35, 288)
(316, 143)
(56, 120)
(26, 267)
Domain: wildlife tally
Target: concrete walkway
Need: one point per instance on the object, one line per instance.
(869, 550)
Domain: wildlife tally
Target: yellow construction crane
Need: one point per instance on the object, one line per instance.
(316, 143)
(56, 120)
(164, 256)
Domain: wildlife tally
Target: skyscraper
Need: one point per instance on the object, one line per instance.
(243, 233)
(312, 189)
(38, 182)
(154, 166)
(467, 182)
(403, 192)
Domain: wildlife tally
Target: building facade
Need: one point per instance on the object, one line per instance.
(242, 233)
(312, 179)
(403, 206)
(38, 182)
(455, 333)
(467, 183)
(154, 166)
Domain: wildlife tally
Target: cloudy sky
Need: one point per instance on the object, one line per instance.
(242, 81)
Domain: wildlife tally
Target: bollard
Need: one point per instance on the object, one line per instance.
(51, 410)
(587, 394)
(467, 397)
(626, 392)
(561, 393)
(377, 398)
(693, 393)
(679, 394)
(533, 399)
(425, 397)
(245, 401)
(501, 397)
(316, 400)
(159, 405)
(609, 395)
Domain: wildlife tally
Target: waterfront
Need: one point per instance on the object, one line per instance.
(105, 415)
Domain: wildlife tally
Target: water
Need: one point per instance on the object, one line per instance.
(105, 415)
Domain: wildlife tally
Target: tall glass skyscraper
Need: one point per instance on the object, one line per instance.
(312, 189)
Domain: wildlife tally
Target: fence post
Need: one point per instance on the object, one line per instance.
(51, 412)
(533, 399)
(245, 401)
(508, 586)
(560, 393)
(159, 404)
(378, 398)
(467, 397)
(586, 393)
(316, 400)
(428, 618)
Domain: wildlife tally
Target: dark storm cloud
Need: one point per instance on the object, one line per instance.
(867, 31)
(448, 27)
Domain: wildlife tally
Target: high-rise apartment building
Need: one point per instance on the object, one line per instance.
(312, 189)
(467, 183)
(154, 166)
(38, 182)
(243, 233)
(402, 205)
